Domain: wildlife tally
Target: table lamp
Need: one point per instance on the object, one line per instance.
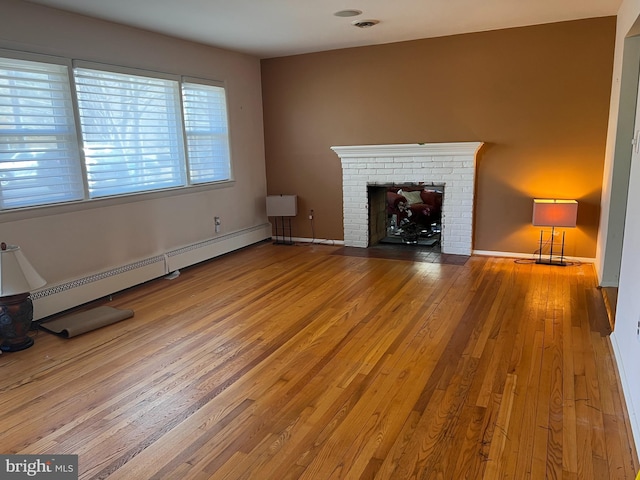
(554, 213)
(17, 279)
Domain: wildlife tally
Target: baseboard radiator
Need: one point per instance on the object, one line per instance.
(58, 298)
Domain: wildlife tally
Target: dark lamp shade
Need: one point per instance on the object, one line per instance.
(17, 276)
(282, 205)
(554, 213)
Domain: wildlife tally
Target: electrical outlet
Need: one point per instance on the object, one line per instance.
(311, 214)
(217, 223)
(638, 331)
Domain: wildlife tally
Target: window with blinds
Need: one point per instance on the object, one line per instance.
(205, 119)
(139, 132)
(39, 158)
(131, 132)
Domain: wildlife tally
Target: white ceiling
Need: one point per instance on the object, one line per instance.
(273, 28)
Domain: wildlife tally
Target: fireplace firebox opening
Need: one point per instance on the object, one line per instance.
(405, 213)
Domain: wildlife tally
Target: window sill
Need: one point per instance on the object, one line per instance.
(61, 208)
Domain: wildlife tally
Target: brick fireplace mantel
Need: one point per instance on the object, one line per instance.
(450, 164)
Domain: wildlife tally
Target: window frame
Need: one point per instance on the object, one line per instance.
(11, 214)
(177, 126)
(74, 131)
(211, 83)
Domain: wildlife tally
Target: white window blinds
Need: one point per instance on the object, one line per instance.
(205, 118)
(39, 160)
(131, 130)
(140, 131)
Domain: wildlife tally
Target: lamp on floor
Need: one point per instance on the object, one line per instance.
(17, 279)
(553, 213)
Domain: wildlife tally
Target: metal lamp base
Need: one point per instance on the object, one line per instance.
(544, 260)
(559, 263)
(16, 314)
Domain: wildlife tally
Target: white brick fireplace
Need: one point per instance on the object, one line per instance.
(450, 164)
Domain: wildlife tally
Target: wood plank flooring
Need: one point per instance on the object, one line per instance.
(303, 362)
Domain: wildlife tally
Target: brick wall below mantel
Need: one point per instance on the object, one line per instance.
(450, 164)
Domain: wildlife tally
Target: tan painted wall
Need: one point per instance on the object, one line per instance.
(538, 96)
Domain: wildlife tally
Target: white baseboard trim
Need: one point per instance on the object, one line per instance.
(308, 241)
(528, 256)
(58, 298)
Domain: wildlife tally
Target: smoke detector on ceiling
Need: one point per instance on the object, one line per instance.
(348, 13)
(365, 23)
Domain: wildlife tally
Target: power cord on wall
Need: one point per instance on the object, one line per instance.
(313, 233)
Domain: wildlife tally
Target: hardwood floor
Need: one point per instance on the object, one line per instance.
(303, 362)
